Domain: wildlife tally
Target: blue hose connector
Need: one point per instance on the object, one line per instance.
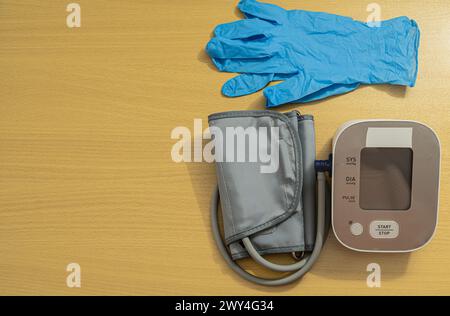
(324, 165)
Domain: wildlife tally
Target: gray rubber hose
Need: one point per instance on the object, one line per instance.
(303, 267)
(270, 265)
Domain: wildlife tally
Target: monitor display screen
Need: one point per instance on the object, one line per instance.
(386, 175)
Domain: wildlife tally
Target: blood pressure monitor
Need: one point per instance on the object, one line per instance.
(385, 185)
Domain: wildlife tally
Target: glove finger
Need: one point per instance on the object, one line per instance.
(287, 91)
(227, 48)
(265, 11)
(303, 88)
(243, 29)
(246, 84)
(255, 65)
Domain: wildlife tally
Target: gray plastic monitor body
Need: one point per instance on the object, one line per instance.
(385, 185)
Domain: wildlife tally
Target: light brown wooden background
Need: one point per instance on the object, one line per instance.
(86, 174)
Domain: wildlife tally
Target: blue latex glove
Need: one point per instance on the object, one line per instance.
(315, 54)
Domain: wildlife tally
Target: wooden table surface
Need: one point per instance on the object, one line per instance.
(86, 174)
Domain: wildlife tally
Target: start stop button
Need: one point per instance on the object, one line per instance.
(384, 229)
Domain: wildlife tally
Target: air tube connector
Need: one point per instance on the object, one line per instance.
(324, 165)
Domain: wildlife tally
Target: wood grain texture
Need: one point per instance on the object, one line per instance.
(86, 174)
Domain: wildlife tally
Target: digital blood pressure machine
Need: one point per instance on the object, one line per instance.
(383, 197)
(385, 185)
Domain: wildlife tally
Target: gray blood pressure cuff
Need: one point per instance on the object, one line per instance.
(266, 178)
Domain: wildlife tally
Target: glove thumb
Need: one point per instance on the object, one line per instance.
(245, 84)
